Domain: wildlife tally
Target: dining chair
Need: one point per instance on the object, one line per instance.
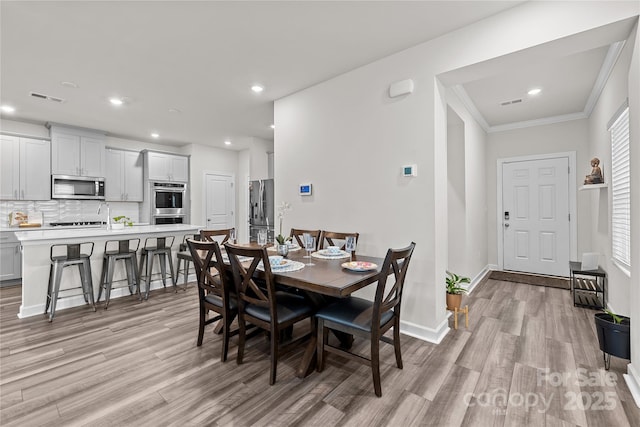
(264, 307)
(221, 235)
(184, 256)
(214, 290)
(327, 237)
(369, 319)
(298, 233)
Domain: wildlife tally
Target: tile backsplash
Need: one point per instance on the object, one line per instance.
(68, 210)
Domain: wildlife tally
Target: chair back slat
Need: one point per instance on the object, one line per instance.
(207, 255)
(220, 235)
(389, 297)
(297, 233)
(248, 289)
(328, 237)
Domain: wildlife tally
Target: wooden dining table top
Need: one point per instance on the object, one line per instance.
(325, 276)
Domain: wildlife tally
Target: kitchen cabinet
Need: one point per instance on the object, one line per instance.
(123, 179)
(77, 152)
(26, 168)
(167, 167)
(10, 256)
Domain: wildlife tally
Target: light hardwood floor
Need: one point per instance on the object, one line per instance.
(528, 358)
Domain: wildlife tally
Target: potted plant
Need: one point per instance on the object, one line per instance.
(282, 246)
(454, 290)
(613, 336)
(120, 221)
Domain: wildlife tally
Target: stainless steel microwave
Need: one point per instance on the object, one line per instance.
(77, 187)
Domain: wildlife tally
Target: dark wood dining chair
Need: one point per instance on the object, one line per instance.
(369, 319)
(327, 239)
(298, 233)
(214, 290)
(264, 307)
(221, 236)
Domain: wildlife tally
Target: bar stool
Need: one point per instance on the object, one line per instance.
(162, 249)
(73, 255)
(125, 251)
(185, 255)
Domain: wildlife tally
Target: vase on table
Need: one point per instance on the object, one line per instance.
(282, 250)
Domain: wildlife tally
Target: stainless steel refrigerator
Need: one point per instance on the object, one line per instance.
(261, 208)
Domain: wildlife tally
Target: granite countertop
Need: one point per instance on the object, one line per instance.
(61, 233)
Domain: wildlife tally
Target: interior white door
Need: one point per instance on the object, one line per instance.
(220, 201)
(535, 217)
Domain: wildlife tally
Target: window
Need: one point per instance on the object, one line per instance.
(620, 188)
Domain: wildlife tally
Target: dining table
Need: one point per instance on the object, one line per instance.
(325, 275)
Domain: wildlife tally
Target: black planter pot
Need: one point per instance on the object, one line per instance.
(613, 337)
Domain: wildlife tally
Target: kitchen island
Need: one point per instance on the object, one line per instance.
(35, 246)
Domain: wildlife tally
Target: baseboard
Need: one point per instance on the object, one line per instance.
(76, 301)
(480, 278)
(633, 382)
(425, 334)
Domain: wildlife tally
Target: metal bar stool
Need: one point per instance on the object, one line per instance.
(116, 250)
(72, 255)
(185, 255)
(161, 248)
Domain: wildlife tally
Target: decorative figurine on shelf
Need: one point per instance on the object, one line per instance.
(596, 173)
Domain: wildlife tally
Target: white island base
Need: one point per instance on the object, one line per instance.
(36, 263)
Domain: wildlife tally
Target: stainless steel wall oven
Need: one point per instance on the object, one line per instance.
(168, 202)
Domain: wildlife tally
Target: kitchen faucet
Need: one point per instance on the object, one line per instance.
(108, 213)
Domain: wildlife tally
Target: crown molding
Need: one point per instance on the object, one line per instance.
(605, 71)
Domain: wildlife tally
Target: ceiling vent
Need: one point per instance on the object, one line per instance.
(513, 101)
(47, 97)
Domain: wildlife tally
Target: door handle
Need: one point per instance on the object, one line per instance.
(506, 225)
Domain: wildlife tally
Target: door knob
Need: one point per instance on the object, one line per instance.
(506, 225)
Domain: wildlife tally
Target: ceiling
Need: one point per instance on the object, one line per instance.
(185, 69)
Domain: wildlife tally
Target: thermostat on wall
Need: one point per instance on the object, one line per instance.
(410, 170)
(305, 189)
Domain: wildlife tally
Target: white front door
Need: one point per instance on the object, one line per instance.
(535, 216)
(220, 201)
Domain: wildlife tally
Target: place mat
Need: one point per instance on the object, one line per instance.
(288, 268)
(291, 248)
(323, 254)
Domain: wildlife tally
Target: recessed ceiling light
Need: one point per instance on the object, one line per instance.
(155, 135)
(69, 84)
(534, 91)
(257, 88)
(7, 109)
(272, 126)
(227, 143)
(116, 101)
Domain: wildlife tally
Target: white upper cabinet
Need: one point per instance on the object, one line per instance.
(123, 176)
(26, 168)
(167, 167)
(77, 152)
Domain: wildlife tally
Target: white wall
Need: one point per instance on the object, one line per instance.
(206, 159)
(456, 203)
(259, 158)
(634, 297)
(349, 140)
(473, 241)
(554, 138)
(614, 94)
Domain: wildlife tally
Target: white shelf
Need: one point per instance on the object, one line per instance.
(593, 186)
